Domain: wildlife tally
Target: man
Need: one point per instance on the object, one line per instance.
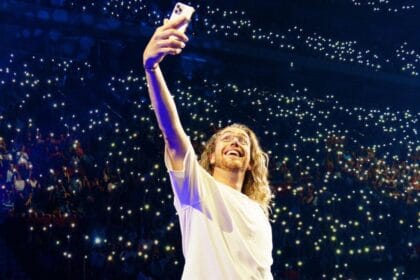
(223, 200)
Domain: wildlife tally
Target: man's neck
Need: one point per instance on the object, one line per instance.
(233, 179)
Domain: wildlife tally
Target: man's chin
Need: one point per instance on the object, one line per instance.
(233, 165)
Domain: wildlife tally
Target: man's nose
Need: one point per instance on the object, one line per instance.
(235, 141)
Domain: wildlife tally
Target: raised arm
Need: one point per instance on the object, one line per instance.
(166, 40)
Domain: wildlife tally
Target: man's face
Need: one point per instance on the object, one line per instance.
(232, 151)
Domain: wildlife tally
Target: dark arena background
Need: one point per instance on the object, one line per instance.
(331, 88)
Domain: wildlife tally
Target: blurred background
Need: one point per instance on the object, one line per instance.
(330, 87)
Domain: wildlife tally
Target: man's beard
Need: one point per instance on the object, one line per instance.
(232, 164)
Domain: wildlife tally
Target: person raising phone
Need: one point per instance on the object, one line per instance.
(223, 199)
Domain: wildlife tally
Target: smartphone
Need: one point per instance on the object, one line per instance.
(182, 9)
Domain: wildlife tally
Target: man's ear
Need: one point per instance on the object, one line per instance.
(249, 167)
(212, 159)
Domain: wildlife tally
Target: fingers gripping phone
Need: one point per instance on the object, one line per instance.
(181, 9)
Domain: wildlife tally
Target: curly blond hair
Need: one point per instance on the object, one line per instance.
(256, 184)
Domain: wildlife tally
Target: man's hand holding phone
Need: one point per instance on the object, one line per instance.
(167, 39)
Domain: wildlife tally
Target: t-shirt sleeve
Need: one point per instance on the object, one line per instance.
(188, 184)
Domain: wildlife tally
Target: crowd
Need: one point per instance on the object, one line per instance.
(239, 26)
(88, 184)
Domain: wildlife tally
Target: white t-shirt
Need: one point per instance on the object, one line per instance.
(225, 234)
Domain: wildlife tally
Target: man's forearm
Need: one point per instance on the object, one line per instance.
(163, 105)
